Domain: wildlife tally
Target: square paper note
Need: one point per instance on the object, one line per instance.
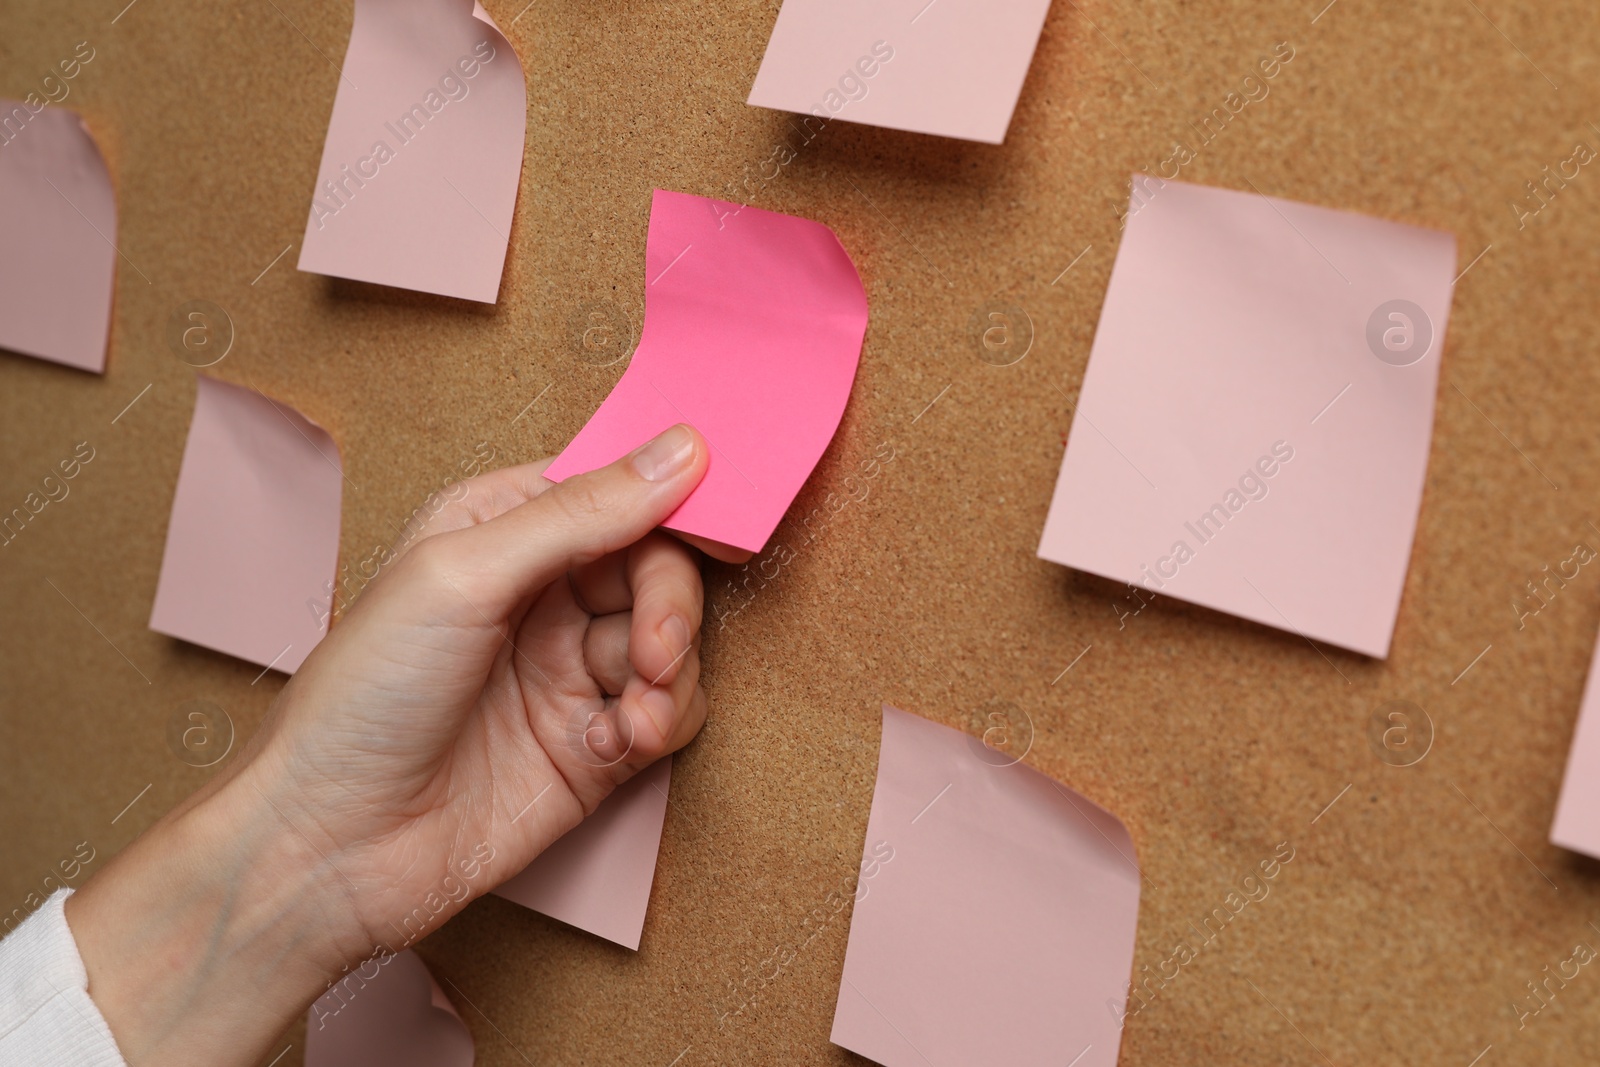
(1577, 824)
(752, 331)
(995, 912)
(1253, 429)
(58, 233)
(254, 538)
(597, 876)
(952, 67)
(423, 156)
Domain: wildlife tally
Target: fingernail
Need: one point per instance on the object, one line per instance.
(661, 708)
(665, 456)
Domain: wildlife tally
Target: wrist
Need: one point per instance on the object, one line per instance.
(212, 931)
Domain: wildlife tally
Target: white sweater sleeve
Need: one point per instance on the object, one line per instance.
(46, 1016)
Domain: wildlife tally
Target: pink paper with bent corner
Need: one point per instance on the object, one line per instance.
(953, 67)
(389, 1012)
(1238, 442)
(253, 543)
(420, 169)
(597, 876)
(995, 912)
(58, 217)
(752, 332)
(1577, 822)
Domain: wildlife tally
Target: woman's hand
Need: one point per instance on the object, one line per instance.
(534, 647)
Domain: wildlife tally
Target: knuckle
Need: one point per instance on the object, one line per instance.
(692, 601)
(579, 501)
(694, 584)
(429, 563)
(582, 508)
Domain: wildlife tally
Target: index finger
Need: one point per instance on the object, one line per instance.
(668, 605)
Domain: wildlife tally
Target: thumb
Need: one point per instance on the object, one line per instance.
(496, 565)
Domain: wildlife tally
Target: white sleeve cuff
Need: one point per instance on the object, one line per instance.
(46, 1016)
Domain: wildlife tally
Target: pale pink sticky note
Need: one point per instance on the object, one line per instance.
(995, 912)
(253, 542)
(597, 876)
(58, 228)
(1577, 824)
(752, 332)
(951, 67)
(424, 152)
(389, 1012)
(1253, 429)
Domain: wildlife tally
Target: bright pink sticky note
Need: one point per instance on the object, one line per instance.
(58, 225)
(389, 1012)
(254, 538)
(951, 67)
(752, 332)
(1577, 824)
(1253, 429)
(597, 876)
(995, 912)
(424, 152)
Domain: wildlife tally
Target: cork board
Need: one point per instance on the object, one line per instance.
(1418, 905)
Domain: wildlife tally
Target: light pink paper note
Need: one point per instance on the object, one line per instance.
(1253, 429)
(420, 169)
(389, 1012)
(995, 912)
(752, 332)
(953, 68)
(58, 228)
(1577, 824)
(597, 877)
(253, 543)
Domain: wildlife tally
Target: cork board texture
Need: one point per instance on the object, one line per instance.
(1419, 904)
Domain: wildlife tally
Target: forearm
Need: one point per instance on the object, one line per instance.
(209, 934)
